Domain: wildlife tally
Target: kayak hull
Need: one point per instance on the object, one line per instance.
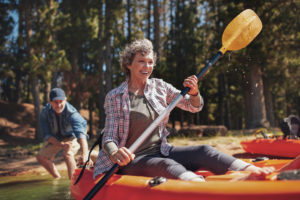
(273, 147)
(121, 187)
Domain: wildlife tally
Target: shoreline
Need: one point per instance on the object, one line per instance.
(28, 164)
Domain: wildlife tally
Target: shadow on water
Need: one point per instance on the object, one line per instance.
(31, 187)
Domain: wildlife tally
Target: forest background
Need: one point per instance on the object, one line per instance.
(75, 45)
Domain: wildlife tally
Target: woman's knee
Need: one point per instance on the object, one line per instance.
(207, 148)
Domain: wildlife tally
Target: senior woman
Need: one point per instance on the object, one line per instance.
(134, 105)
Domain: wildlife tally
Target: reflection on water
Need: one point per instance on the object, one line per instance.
(32, 186)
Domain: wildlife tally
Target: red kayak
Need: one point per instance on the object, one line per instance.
(121, 187)
(274, 147)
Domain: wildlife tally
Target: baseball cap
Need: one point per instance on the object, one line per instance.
(57, 94)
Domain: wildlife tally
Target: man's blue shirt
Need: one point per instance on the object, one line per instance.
(72, 124)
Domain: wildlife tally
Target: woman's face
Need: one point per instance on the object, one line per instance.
(141, 67)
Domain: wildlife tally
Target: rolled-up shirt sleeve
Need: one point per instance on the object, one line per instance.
(79, 125)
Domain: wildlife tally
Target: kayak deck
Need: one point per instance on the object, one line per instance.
(217, 187)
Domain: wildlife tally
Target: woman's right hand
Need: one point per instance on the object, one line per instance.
(122, 157)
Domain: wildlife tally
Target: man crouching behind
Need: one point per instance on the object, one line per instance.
(62, 128)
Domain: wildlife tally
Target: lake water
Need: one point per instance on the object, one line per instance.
(35, 187)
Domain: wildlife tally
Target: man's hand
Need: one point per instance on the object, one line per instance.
(82, 160)
(84, 148)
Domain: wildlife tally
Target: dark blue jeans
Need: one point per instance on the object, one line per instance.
(180, 160)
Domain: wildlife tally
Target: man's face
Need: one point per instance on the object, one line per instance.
(58, 105)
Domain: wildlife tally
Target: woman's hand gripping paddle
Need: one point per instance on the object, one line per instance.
(237, 35)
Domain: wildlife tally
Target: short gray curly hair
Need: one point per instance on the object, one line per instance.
(143, 46)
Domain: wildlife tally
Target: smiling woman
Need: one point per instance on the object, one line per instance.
(137, 103)
(134, 106)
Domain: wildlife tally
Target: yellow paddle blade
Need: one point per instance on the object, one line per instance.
(241, 31)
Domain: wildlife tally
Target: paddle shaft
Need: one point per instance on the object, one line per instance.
(101, 183)
(150, 129)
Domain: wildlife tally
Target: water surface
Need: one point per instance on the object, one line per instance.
(35, 186)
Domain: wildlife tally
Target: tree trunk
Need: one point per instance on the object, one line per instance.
(181, 118)
(35, 91)
(19, 83)
(102, 92)
(33, 79)
(108, 36)
(269, 103)
(54, 78)
(75, 77)
(148, 18)
(227, 113)
(27, 90)
(91, 107)
(220, 110)
(7, 90)
(46, 91)
(109, 71)
(156, 28)
(255, 100)
(101, 99)
(19, 88)
(129, 20)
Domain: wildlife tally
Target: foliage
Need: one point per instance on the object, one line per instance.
(75, 45)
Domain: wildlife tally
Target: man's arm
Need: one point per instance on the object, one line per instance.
(84, 149)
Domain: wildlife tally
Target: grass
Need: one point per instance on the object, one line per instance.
(229, 144)
(214, 141)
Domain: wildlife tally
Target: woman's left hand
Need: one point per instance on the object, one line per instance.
(258, 173)
(192, 82)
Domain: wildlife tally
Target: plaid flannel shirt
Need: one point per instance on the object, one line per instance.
(159, 94)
